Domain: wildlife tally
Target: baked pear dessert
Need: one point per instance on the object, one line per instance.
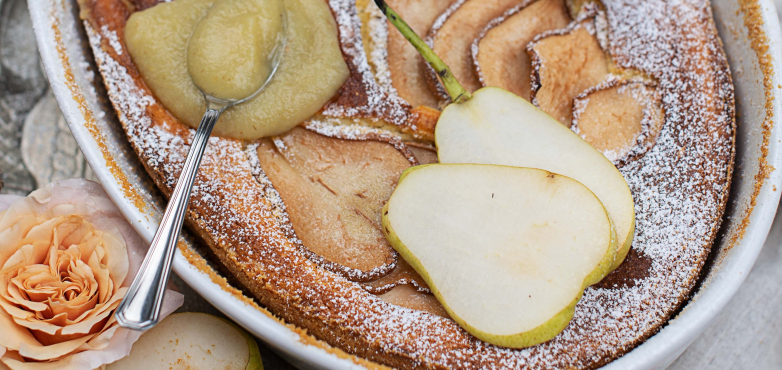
(296, 213)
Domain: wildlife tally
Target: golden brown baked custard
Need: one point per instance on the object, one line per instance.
(678, 167)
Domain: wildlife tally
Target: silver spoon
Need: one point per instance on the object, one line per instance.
(140, 309)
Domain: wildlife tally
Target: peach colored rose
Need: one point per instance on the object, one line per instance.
(67, 257)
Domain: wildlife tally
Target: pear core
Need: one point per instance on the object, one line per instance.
(230, 52)
(311, 71)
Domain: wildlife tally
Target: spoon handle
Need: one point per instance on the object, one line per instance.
(140, 309)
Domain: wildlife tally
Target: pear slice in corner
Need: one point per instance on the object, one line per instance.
(508, 251)
(498, 127)
(191, 340)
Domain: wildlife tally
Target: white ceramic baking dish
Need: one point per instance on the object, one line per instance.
(749, 37)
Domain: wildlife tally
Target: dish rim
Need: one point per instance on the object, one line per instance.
(656, 352)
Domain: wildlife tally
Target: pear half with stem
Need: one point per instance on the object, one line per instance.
(498, 127)
(508, 251)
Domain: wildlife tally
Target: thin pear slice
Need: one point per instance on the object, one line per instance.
(507, 251)
(498, 127)
(500, 53)
(620, 119)
(565, 63)
(191, 340)
(453, 33)
(408, 73)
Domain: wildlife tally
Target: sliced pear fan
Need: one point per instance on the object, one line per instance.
(408, 72)
(508, 251)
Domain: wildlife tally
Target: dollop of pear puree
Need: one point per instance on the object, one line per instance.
(225, 48)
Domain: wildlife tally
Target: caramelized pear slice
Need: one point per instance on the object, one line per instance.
(422, 122)
(453, 34)
(408, 71)
(620, 119)
(564, 64)
(423, 154)
(333, 190)
(500, 53)
(403, 274)
(407, 296)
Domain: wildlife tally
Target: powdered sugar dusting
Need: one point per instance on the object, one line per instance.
(680, 189)
(356, 131)
(111, 36)
(378, 41)
(381, 98)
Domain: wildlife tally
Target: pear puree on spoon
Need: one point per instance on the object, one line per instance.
(230, 52)
(230, 43)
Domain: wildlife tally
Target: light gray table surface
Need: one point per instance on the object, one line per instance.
(36, 148)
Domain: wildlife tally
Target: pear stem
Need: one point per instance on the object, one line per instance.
(455, 90)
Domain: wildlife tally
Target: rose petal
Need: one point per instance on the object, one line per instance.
(28, 254)
(85, 325)
(49, 339)
(78, 234)
(102, 275)
(15, 296)
(118, 267)
(42, 235)
(14, 311)
(9, 241)
(43, 326)
(40, 352)
(67, 230)
(16, 222)
(99, 309)
(73, 311)
(13, 335)
(7, 199)
(10, 355)
(119, 346)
